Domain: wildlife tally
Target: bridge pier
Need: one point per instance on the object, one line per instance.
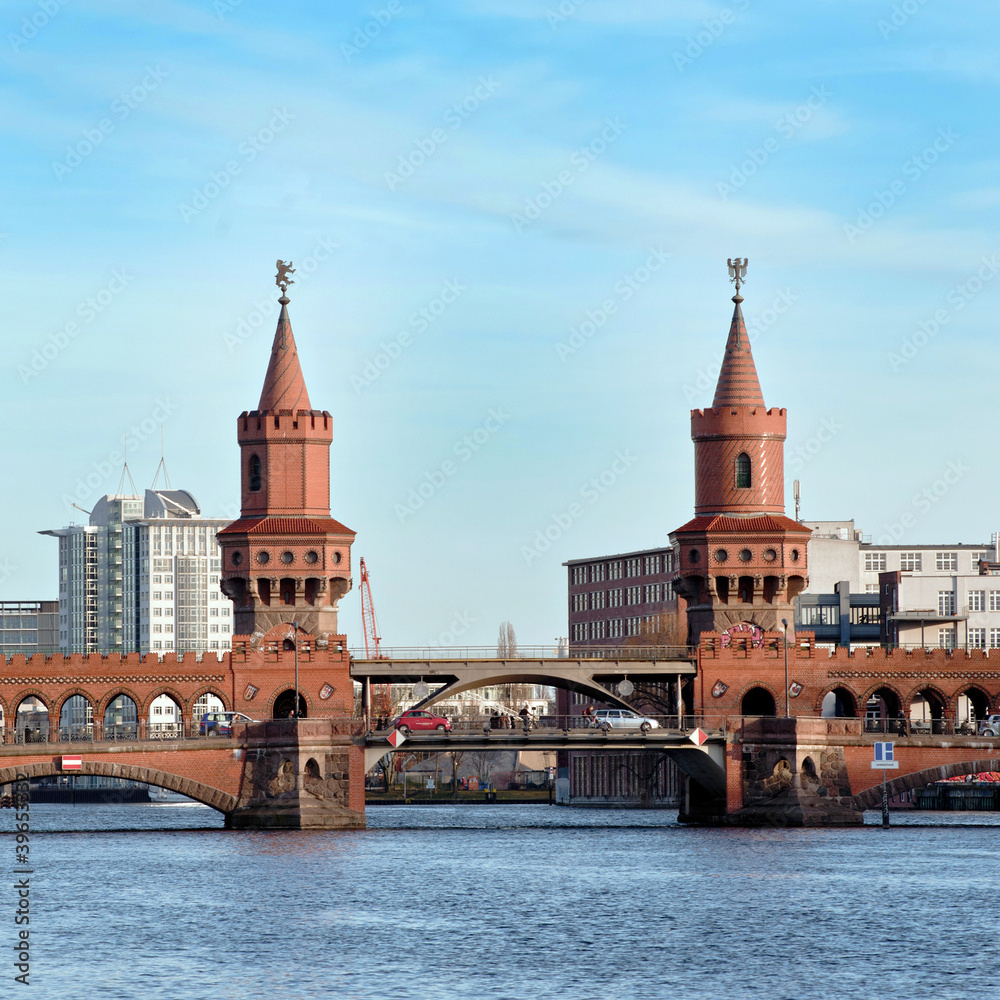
(780, 772)
(305, 774)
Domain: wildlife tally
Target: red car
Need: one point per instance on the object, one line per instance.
(417, 718)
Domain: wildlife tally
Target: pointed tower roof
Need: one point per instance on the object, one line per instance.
(738, 384)
(284, 386)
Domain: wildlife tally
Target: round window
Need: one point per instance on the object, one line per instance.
(336, 557)
(746, 555)
(263, 557)
(694, 555)
(795, 555)
(770, 555)
(311, 556)
(721, 555)
(237, 558)
(287, 557)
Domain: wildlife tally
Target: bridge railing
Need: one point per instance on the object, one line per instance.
(528, 653)
(513, 725)
(132, 731)
(96, 732)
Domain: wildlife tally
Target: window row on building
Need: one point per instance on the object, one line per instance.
(617, 568)
(615, 628)
(921, 562)
(596, 600)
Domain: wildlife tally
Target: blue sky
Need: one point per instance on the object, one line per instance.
(516, 216)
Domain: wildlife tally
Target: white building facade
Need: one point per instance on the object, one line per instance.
(142, 576)
(946, 596)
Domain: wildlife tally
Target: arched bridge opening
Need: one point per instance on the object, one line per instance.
(207, 795)
(871, 798)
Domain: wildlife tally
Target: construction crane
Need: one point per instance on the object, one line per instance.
(381, 694)
(368, 623)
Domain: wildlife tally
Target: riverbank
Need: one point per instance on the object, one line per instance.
(542, 796)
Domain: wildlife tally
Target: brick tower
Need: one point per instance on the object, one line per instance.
(741, 562)
(285, 559)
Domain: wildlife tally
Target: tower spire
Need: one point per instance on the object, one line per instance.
(284, 387)
(738, 384)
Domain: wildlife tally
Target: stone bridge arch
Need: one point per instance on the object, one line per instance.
(871, 798)
(590, 689)
(217, 799)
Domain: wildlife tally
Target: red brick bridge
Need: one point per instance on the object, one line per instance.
(309, 773)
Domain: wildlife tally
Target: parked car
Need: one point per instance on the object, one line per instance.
(990, 726)
(221, 723)
(418, 719)
(622, 718)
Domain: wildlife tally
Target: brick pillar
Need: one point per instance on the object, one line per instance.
(305, 774)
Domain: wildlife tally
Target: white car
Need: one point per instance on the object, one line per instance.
(622, 718)
(990, 726)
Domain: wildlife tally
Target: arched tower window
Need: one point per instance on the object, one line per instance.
(743, 471)
(254, 478)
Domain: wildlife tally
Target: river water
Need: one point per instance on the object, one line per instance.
(157, 901)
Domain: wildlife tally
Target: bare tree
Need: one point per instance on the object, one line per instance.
(658, 697)
(506, 641)
(486, 762)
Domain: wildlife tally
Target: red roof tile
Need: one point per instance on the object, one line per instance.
(738, 525)
(286, 526)
(284, 386)
(738, 384)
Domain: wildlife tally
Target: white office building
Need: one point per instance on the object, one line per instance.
(946, 596)
(142, 576)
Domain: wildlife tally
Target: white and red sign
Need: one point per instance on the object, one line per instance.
(698, 737)
(396, 738)
(71, 763)
(744, 630)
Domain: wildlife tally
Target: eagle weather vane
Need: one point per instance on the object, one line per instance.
(283, 279)
(737, 272)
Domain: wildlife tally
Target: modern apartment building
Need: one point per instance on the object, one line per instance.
(142, 576)
(945, 596)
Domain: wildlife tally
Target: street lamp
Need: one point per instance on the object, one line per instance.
(295, 645)
(784, 622)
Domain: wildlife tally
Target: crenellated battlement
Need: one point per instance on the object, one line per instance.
(739, 421)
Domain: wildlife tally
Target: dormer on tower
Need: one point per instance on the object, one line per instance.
(286, 559)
